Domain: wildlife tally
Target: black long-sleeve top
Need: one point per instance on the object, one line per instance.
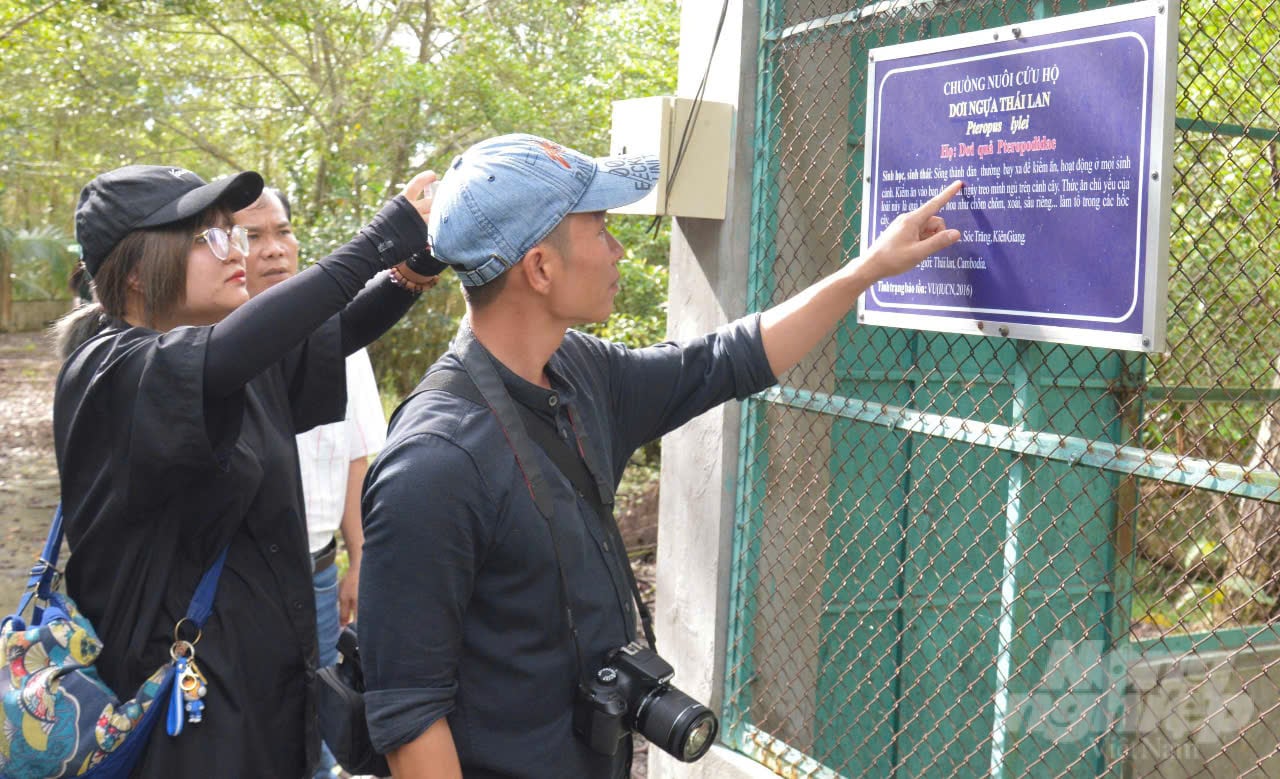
(172, 446)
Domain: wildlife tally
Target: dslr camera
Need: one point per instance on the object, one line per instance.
(632, 692)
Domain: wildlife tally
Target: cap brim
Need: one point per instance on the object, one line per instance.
(232, 192)
(619, 181)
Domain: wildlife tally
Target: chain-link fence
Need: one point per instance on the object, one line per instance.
(914, 595)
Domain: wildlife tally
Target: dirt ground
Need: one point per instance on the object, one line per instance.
(28, 473)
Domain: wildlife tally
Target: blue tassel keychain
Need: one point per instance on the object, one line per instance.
(176, 717)
(189, 688)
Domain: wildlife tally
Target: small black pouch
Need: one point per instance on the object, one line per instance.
(342, 718)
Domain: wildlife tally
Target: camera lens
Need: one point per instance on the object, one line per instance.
(678, 724)
(699, 739)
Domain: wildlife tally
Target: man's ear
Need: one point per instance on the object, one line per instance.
(135, 282)
(537, 268)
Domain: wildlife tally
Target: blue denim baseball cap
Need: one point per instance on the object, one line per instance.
(503, 195)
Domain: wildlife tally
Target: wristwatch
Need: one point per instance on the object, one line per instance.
(424, 263)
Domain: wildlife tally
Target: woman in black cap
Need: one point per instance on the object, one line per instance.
(174, 423)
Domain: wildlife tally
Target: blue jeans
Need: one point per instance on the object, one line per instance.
(326, 587)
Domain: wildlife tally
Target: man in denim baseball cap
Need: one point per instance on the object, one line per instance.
(497, 595)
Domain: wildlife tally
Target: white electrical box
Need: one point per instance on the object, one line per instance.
(655, 125)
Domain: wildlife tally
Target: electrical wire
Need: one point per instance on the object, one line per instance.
(690, 122)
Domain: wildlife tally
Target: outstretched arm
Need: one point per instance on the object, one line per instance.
(792, 328)
(263, 330)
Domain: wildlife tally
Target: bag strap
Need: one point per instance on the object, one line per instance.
(44, 573)
(464, 384)
(201, 606)
(459, 382)
(452, 381)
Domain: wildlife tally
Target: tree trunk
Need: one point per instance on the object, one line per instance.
(1253, 584)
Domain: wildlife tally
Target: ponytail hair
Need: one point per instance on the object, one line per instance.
(74, 329)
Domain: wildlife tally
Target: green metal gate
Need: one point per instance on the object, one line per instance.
(962, 556)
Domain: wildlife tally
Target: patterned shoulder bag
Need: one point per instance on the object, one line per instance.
(59, 718)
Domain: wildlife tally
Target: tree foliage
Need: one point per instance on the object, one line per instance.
(40, 262)
(1224, 295)
(337, 102)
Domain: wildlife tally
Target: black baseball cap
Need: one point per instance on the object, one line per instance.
(136, 196)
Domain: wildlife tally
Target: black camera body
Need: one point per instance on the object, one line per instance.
(632, 692)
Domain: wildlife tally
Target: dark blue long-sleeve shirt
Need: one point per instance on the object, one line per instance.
(461, 613)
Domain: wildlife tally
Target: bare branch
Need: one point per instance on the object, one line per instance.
(198, 139)
(425, 32)
(390, 28)
(266, 68)
(24, 21)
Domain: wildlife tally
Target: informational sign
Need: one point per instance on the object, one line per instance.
(1061, 130)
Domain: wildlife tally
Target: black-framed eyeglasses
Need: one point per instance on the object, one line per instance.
(221, 242)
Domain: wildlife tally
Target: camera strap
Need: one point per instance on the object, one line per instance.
(574, 467)
(571, 464)
(480, 383)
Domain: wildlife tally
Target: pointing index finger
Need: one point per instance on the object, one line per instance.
(935, 204)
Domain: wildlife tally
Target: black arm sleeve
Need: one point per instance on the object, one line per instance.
(262, 331)
(373, 311)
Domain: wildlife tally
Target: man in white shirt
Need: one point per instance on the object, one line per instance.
(333, 458)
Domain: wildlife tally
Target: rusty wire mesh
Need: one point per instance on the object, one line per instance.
(874, 633)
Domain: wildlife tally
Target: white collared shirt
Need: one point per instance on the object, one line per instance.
(325, 452)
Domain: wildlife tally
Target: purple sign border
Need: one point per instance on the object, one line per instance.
(1142, 332)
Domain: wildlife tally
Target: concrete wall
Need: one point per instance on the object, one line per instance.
(27, 315)
(709, 260)
(1205, 714)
